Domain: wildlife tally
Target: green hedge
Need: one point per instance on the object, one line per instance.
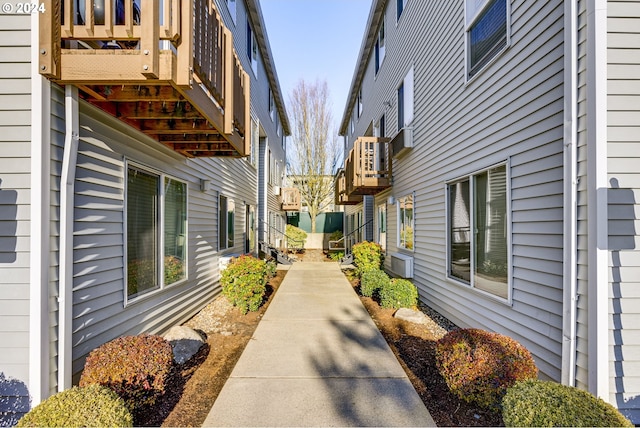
(549, 404)
(244, 282)
(398, 293)
(372, 281)
(91, 406)
(366, 256)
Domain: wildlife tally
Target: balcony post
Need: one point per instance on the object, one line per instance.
(184, 74)
(229, 75)
(150, 39)
(49, 34)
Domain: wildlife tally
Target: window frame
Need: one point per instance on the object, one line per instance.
(252, 48)
(401, 5)
(226, 229)
(473, 16)
(380, 48)
(471, 284)
(400, 222)
(160, 232)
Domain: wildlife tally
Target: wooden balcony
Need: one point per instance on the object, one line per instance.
(167, 69)
(290, 199)
(368, 167)
(341, 196)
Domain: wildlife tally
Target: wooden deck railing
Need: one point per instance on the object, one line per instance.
(291, 200)
(341, 196)
(166, 67)
(368, 167)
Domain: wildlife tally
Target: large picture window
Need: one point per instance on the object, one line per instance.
(487, 31)
(405, 222)
(478, 231)
(156, 231)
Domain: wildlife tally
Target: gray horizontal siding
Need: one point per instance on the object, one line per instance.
(100, 312)
(623, 150)
(15, 213)
(510, 111)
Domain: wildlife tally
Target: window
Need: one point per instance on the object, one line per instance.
(156, 231)
(255, 143)
(271, 105)
(487, 35)
(378, 128)
(405, 101)
(381, 235)
(401, 4)
(379, 49)
(405, 222)
(231, 5)
(478, 231)
(226, 222)
(252, 48)
(359, 103)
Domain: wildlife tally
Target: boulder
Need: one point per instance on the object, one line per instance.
(416, 317)
(185, 341)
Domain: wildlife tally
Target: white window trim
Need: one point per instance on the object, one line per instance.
(399, 244)
(470, 19)
(509, 300)
(161, 218)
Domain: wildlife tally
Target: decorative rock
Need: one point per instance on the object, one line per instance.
(416, 317)
(186, 342)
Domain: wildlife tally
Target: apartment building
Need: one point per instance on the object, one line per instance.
(140, 145)
(493, 151)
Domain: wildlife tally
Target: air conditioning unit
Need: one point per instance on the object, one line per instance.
(402, 142)
(402, 265)
(276, 190)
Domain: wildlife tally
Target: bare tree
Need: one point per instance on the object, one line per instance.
(314, 152)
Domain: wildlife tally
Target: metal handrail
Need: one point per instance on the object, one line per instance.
(297, 244)
(354, 237)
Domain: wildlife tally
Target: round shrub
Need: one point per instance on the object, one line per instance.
(296, 237)
(366, 256)
(137, 368)
(479, 366)
(549, 404)
(92, 406)
(244, 282)
(372, 281)
(398, 293)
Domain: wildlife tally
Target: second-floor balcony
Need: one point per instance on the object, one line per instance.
(368, 167)
(291, 199)
(167, 68)
(341, 196)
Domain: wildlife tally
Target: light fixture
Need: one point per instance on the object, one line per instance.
(204, 185)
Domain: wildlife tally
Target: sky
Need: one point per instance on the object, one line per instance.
(316, 39)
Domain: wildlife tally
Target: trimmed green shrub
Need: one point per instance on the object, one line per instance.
(366, 256)
(296, 237)
(137, 368)
(549, 404)
(372, 281)
(398, 293)
(244, 282)
(92, 406)
(479, 366)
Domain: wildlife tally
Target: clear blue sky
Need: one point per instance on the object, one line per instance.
(316, 39)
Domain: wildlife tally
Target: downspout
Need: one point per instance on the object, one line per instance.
(40, 228)
(598, 284)
(570, 298)
(65, 298)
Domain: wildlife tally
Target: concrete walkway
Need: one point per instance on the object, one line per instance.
(317, 359)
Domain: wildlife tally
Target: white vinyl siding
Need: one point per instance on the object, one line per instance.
(623, 148)
(459, 126)
(15, 206)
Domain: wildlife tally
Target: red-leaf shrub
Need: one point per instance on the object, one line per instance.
(136, 368)
(479, 366)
